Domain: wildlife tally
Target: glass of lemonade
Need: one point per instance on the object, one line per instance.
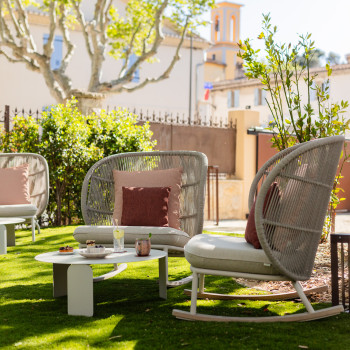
(118, 239)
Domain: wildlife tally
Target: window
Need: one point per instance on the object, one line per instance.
(259, 97)
(232, 29)
(132, 60)
(233, 99)
(217, 28)
(56, 57)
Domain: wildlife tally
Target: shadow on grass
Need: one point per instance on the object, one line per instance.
(129, 313)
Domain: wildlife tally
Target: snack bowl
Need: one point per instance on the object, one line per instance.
(95, 255)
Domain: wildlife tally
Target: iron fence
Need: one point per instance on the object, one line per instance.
(161, 117)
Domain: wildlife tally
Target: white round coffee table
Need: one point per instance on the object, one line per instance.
(72, 275)
(3, 234)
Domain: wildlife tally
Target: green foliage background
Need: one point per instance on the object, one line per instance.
(284, 72)
(71, 143)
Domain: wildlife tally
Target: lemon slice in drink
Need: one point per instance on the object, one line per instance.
(118, 234)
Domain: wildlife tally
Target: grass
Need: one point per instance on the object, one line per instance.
(130, 315)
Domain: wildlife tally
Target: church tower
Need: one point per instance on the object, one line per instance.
(222, 56)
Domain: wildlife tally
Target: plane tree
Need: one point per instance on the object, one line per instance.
(132, 37)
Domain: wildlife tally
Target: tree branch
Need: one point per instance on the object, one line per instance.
(167, 72)
(98, 47)
(145, 55)
(81, 20)
(23, 21)
(13, 19)
(128, 51)
(118, 84)
(10, 59)
(48, 47)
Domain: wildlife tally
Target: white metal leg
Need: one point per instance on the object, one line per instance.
(201, 283)
(3, 240)
(10, 229)
(59, 280)
(37, 225)
(194, 293)
(32, 220)
(163, 266)
(303, 297)
(80, 290)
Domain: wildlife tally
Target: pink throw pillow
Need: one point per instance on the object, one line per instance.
(14, 185)
(145, 206)
(153, 178)
(251, 236)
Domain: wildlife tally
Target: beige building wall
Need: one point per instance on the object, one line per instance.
(22, 88)
(339, 82)
(214, 72)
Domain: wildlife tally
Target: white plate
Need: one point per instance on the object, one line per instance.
(85, 254)
(66, 253)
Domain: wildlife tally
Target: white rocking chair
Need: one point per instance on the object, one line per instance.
(289, 231)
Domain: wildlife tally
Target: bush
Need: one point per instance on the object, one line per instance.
(24, 136)
(71, 143)
(66, 148)
(117, 132)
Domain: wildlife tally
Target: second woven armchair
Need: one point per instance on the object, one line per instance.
(184, 172)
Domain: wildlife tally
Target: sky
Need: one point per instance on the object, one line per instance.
(327, 21)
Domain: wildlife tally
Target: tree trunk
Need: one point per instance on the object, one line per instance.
(88, 102)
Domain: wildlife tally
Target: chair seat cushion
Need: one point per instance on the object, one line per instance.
(14, 210)
(225, 253)
(160, 235)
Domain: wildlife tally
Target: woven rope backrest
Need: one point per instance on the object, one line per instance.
(264, 171)
(98, 188)
(290, 229)
(38, 176)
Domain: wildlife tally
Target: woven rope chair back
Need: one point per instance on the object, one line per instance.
(290, 219)
(97, 199)
(38, 176)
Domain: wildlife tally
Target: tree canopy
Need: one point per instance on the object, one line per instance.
(133, 37)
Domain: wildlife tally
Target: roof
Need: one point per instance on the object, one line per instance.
(245, 82)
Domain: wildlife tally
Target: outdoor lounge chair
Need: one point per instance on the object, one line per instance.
(38, 191)
(290, 208)
(98, 200)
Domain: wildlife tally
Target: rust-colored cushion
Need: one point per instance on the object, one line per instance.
(145, 206)
(251, 236)
(14, 185)
(152, 178)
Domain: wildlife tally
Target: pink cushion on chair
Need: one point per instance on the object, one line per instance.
(14, 185)
(145, 206)
(153, 178)
(251, 236)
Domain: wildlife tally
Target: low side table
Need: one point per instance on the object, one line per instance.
(335, 239)
(3, 234)
(72, 276)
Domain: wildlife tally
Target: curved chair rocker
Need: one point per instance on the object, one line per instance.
(297, 184)
(98, 202)
(38, 190)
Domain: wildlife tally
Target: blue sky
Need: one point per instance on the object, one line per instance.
(328, 21)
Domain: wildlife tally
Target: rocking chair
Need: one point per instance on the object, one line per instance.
(290, 209)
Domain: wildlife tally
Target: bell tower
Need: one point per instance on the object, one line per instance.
(225, 26)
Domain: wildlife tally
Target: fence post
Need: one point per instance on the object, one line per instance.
(7, 118)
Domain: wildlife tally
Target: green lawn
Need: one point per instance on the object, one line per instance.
(130, 315)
